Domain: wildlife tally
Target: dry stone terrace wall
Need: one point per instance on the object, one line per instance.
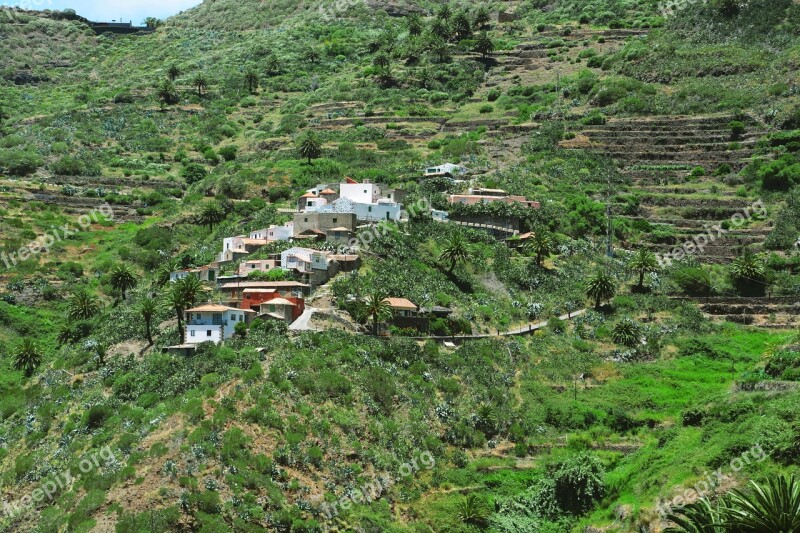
(656, 155)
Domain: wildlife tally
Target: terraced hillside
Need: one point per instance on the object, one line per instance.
(682, 170)
(627, 374)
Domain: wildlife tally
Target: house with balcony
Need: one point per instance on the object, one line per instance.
(313, 266)
(234, 291)
(446, 170)
(214, 323)
(488, 196)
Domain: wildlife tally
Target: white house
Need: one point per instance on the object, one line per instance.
(304, 260)
(382, 209)
(214, 323)
(446, 169)
(256, 265)
(363, 193)
(274, 233)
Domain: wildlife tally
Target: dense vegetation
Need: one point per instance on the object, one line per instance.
(649, 373)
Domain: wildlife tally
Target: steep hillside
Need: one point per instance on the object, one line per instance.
(594, 356)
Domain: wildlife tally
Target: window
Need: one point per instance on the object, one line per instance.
(208, 333)
(216, 319)
(241, 318)
(369, 209)
(305, 219)
(191, 333)
(335, 220)
(233, 318)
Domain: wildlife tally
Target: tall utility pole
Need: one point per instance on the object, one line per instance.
(609, 231)
(609, 225)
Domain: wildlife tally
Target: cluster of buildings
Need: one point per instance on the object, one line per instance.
(328, 212)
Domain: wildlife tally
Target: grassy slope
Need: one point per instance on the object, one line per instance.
(659, 391)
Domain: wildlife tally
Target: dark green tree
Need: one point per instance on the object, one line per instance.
(748, 274)
(211, 214)
(173, 72)
(200, 82)
(310, 147)
(251, 80)
(375, 308)
(27, 357)
(83, 305)
(643, 262)
(456, 250)
(601, 287)
(484, 45)
(182, 295)
(167, 93)
(147, 309)
(414, 24)
(462, 26)
(122, 279)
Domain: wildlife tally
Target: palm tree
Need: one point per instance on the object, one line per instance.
(167, 94)
(312, 55)
(472, 510)
(774, 507)
(272, 65)
(27, 357)
(83, 305)
(382, 60)
(643, 262)
(484, 45)
(211, 214)
(456, 251)
(182, 296)
(173, 72)
(310, 147)
(601, 287)
(440, 51)
(462, 26)
(163, 273)
(201, 82)
(375, 307)
(439, 30)
(251, 79)
(148, 308)
(122, 279)
(444, 12)
(414, 24)
(749, 273)
(482, 18)
(627, 333)
(541, 245)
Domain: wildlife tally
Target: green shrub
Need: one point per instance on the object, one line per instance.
(193, 172)
(229, 152)
(19, 163)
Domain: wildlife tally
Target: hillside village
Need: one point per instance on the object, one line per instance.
(405, 266)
